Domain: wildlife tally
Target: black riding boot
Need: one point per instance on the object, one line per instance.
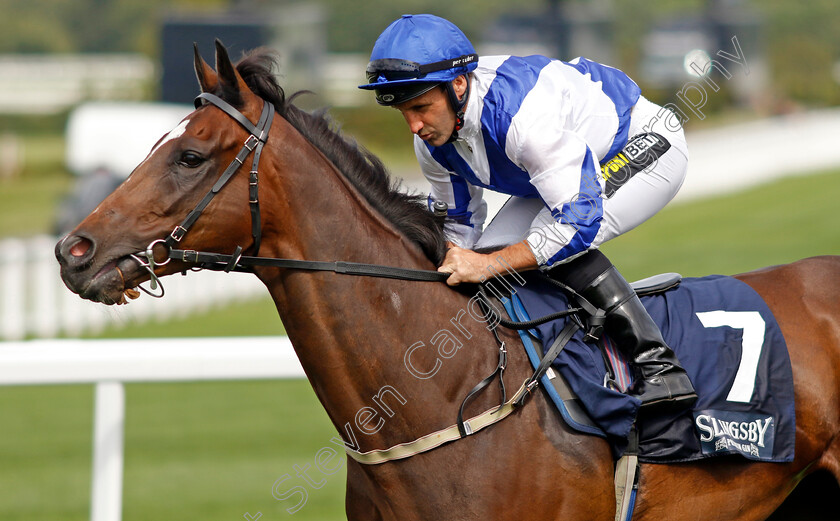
(661, 383)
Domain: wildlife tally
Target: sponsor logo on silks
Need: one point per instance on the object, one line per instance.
(613, 165)
(639, 153)
(637, 147)
(749, 434)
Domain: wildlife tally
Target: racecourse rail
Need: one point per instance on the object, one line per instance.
(34, 303)
(110, 363)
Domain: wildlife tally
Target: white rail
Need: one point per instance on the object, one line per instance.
(35, 303)
(110, 363)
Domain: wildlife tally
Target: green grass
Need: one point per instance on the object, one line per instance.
(214, 450)
(24, 201)
(193, 451)
(771, 224)
(179, 462)
(45, 452)
(28, 202)
(254, 318)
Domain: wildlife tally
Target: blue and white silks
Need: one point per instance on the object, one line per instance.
(534, 128)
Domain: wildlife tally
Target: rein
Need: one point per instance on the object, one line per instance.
(238, 262)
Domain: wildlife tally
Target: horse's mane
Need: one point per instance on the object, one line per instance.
(408, 212)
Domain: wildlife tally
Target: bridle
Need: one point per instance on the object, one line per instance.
(236, 261)
(254, 143)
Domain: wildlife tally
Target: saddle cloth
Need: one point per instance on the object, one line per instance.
(731, 347)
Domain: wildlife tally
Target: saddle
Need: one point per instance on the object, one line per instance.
(722, 331)
(555, 384)
(730, 345)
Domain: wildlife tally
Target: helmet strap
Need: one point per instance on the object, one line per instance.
(458, 105)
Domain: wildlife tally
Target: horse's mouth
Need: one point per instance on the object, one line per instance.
(113, 283)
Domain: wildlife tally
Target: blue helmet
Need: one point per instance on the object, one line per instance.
(414, 54)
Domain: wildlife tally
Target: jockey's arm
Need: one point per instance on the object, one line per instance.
(471, 266)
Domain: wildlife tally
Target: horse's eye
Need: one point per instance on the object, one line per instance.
(190, 159)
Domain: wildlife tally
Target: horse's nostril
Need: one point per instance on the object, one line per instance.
(81, 247)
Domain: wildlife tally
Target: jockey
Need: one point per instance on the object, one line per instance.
(536, 129)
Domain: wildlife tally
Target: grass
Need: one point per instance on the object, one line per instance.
(255, 318)
(193, 451)
(45, 452)
(28, 201)
(771, 224)
(213, 451)
(179, 462)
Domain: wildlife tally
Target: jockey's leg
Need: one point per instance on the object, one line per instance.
(661, 382)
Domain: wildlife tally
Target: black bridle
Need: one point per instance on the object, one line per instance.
(254, 143)
(236, 261)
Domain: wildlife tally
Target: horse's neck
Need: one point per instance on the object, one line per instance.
(352, 333)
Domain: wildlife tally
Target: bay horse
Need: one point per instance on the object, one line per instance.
(322, 198)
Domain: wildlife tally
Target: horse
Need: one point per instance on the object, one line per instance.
(316, 196)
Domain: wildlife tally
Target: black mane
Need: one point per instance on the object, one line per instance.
(364, 170)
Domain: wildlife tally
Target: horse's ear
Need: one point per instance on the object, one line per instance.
(232, 83)
(207, 78)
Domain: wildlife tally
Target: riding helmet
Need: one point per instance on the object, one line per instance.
(414, 54)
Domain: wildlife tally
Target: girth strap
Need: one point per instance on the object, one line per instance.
(553, 352)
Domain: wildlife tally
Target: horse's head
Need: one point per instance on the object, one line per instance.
(102, 258)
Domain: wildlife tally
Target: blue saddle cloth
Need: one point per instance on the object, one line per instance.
(732, 349)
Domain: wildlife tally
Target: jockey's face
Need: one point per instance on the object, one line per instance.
(430, 115)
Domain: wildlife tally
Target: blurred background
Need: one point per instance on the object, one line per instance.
(87, 87)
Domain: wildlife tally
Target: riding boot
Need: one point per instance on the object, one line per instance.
(661, 383)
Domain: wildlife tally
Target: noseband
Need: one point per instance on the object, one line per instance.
(236, 261)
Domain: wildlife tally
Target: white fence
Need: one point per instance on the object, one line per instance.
(109, 363)
(35, 303)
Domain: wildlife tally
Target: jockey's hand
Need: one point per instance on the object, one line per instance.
(464, 265)
(470, 266)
